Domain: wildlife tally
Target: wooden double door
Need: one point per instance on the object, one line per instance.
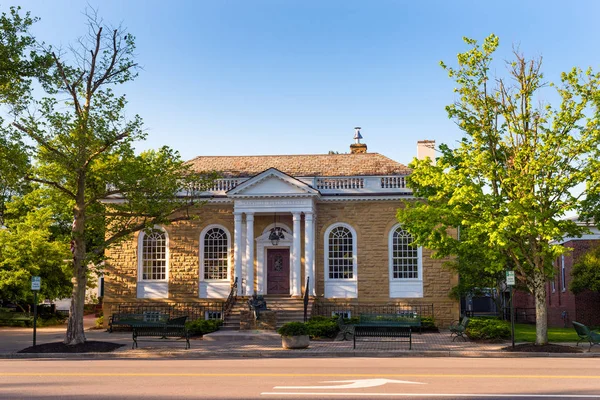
(278, 271)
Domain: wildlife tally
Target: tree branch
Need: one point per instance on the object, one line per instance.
(51, 183)
(70, 87)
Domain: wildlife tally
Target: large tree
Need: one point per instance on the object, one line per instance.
(32, 244)
(513, 175)
(82, 153)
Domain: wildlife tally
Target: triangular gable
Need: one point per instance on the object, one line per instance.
(272, 182)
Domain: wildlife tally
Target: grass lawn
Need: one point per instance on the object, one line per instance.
(526, 333)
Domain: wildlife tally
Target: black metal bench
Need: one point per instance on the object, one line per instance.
(387, 326)
(172, 328)
(126, 320)
(13, 316)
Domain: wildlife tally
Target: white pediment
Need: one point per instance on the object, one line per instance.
(272, 182)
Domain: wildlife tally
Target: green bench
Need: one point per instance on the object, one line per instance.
(13, 316)
(387, 326)
(126, 320)
(458, 329)
(586, 334)
(171, 328)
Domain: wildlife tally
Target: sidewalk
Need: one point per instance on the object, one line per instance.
(258, 344)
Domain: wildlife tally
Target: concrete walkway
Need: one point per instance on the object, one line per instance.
(227, 344)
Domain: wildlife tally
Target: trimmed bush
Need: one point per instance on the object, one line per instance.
(322, 328)
(428, 324)
(293, 329)
(487, 328)
(201, 327)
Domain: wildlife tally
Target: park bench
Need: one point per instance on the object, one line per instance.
(345, 329)
(171, 328)
(13, 316)
(458, 329)
(585, 333)
(387, 326)
(126, 320)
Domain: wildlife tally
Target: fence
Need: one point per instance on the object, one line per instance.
(522, 315)
(351, 310)
(192, 310)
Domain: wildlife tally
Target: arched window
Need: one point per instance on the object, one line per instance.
(340, 253)
(215, 253)
(153, 263)
(406, 265)
(405, 257)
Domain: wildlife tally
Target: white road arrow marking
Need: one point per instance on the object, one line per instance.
(354, 384)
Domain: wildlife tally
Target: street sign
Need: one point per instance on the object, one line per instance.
(36, 283)
(510, 278)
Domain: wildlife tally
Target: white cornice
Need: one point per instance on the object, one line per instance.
(304, 189)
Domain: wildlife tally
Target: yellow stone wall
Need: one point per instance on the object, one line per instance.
(372, 221)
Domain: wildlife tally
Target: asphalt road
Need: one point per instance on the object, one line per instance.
(313, 378)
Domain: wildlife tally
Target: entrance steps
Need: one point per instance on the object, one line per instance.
(288, 309)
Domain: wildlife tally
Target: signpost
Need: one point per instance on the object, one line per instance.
(510, 281)
(36, 283)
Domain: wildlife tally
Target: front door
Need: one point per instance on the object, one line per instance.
(278, 271)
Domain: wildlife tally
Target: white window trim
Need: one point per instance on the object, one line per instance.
(562, 273)
(141, 254)
(391, 259)
(404, 287)
(201, 251)
(354, 253)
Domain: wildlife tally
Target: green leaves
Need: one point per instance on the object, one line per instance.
(514, 175)
(586, 273)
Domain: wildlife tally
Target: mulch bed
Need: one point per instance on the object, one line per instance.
(87, 347)
(546, 348)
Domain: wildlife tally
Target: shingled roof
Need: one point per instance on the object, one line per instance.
(365, 164)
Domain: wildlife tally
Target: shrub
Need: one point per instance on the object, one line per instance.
(486, 328)
(428, 323)
(293, 329)
(200, 327)
(99, 322)
(322, 328)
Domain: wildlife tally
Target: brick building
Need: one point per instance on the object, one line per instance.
(563, 305)
(270, 223)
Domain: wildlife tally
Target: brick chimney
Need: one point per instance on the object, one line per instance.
(357, 147)
(426, 148)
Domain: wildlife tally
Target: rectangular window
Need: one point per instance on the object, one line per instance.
(562, 273)
(212, 315)
(344, 314)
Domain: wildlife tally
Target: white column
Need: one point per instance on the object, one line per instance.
(237, 249)
(249, 254)
(296, 251)
(309, 251)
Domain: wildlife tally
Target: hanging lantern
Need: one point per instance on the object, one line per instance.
(276, 233)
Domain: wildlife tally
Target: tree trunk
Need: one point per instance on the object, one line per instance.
(75, 333)
(541, 310)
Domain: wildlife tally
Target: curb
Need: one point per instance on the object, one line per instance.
(141, 354)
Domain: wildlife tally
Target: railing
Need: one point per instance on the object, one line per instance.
(524, 315)
(355, 309)
(230, 299)
(340, 183)
(393, 182)
(306, 291)
(192, 310)
(225, 184)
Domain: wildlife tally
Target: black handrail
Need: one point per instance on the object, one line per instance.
(306, 289)
(230, 299)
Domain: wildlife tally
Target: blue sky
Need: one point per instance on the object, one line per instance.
(295, 77)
